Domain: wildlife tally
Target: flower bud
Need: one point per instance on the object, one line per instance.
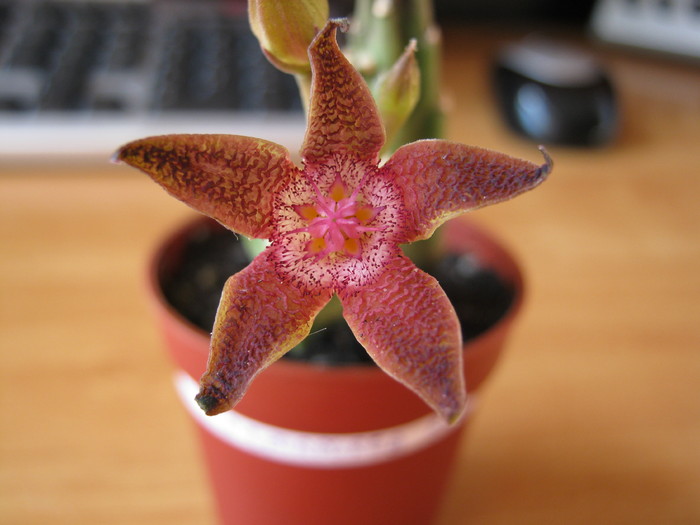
(397, 91)
(285, 30)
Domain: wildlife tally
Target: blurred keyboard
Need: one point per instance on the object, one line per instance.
(81, 77)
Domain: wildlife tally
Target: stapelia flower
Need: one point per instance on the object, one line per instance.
(334, 227)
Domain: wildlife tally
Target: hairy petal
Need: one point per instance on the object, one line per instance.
(343, 117)
(406, 323)
(442, 179)
(259, 319)
(228, 177)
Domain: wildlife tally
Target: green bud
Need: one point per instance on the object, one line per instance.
(285, 30)
(397, 91)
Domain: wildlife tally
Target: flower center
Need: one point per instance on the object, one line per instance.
(336, 222)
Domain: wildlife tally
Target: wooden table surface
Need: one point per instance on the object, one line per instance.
(592, 417)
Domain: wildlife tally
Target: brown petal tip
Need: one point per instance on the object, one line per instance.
(116, 157)
(212, 401)
(341, 23)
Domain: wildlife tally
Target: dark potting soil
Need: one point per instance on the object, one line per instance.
(480, 297)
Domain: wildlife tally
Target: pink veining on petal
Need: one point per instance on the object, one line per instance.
(441, 179)
(343, 116)
(258, 320)
(412, 333)
(230, 178)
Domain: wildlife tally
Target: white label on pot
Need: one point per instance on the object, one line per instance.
(313, 449)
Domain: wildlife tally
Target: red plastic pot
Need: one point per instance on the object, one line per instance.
(318, 445)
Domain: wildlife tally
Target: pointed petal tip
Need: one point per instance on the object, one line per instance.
(548, 165)
(116, 157)
(453, 416)
(341, 23)
(453, 408)
(211, 401)
(121, 155)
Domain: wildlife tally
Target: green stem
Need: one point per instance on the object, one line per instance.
(252, 247)
(303, 81)
(375, 40)
(426, 121)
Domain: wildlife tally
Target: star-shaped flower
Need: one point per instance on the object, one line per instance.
(334, 227)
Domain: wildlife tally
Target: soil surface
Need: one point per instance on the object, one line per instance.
(480, 297)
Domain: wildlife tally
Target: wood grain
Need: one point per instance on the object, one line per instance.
(592, 417)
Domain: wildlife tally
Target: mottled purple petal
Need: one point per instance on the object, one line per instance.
(441, 179)
(231, 178)
(406, 323)
(343, 117)
(260, 318)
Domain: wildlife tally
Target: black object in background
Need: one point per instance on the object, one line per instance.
(555, 94)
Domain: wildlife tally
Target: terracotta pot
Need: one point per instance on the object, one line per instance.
(318, 445)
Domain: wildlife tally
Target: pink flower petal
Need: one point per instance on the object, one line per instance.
(442, 179)
(406, 323)
(343, 117)
(259, 319)
(230, 178)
